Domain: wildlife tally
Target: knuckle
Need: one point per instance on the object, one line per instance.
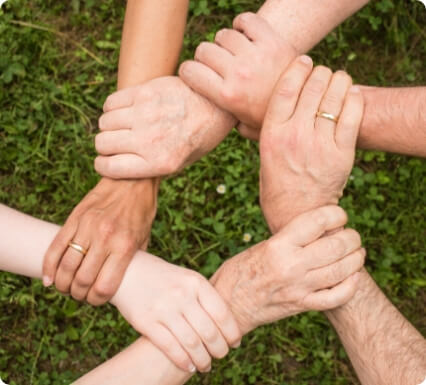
(106, 228)
(355, 236)
(192, 341)
(206, 364)
(287, 89)
(315, 86)
(244, 72)
(336, 246)
(69, 264)
(103, 289)
(332, 99)
(83, 280)
(229, 94)
(222, 353)
(210, 335)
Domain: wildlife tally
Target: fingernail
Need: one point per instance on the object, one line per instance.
(355, 90)
(47, 281)
(192, 368)
(236, 345)
(306, 59)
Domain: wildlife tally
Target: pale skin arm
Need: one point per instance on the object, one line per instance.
(142, 362)
(394, 120)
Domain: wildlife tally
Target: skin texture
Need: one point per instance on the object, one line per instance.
(292, 272)
(307, 159)
(368, 325)
(126, 153)
(119, 211)
(243, 79)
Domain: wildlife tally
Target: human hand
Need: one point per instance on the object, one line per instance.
(111, 223)
(298, 269)
(238, 72)
(306, 160)
(178, 310)
(157, 129)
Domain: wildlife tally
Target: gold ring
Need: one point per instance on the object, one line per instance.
(328, 116)
(78, 248)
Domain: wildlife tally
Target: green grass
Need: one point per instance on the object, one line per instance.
(51, 93)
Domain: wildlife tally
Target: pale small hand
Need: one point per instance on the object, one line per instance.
(306, 160)
(240, 69)
(178, 310)
(157, 129)
(297, 270)
(111, 223)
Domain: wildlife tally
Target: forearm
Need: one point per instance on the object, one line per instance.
(306, 23)
(152, 40)
(142, 360)
(383, 346)
(150, 47)
(394, 120)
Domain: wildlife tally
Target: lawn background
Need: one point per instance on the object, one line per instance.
(58, 63)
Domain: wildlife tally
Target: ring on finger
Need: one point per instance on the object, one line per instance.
(78, 248)
(328, 116)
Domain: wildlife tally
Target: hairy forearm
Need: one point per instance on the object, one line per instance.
(152, 40)
(383, 346)
(394, 120)
(306, 23)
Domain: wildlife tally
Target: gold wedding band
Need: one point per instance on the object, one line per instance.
(327, 116)
(78, 248)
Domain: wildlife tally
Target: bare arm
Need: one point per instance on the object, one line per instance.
(152, 40)
(383, 346)
(394, 120)
(305, 23)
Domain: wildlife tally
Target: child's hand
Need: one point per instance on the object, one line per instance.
(178, 310)
(239, 71)
(306, 159)
(297, 270)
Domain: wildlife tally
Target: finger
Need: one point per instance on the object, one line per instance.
(350, 119)
(233, 41)
(71, 261)
(331, 275)
(332, 103)
(255, 27)
(313, 93)
(115, 142)
(164, 340)
(214, 57)
(248, 132)
(332, 248)
(287, 92)
(110, 277)
(331, 298)
(118, 119)
(207, 330)
(124, 166)
(310, 226)
(88, 271)
(120, 99)
(203, 80)
(57, 249)
(220, 313)
(190, 341)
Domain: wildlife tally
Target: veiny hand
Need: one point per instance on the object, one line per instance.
(111, 223)
(306, 160)
(238, 72)
(297, 270)
(178, 310)
(157, 129)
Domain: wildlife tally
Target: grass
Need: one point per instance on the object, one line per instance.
(58, 63)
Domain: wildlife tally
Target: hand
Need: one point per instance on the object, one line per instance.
(297, 270)
(111, 222)
(239, 71)
(178, 310)
(306, 160)
(157, 129)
